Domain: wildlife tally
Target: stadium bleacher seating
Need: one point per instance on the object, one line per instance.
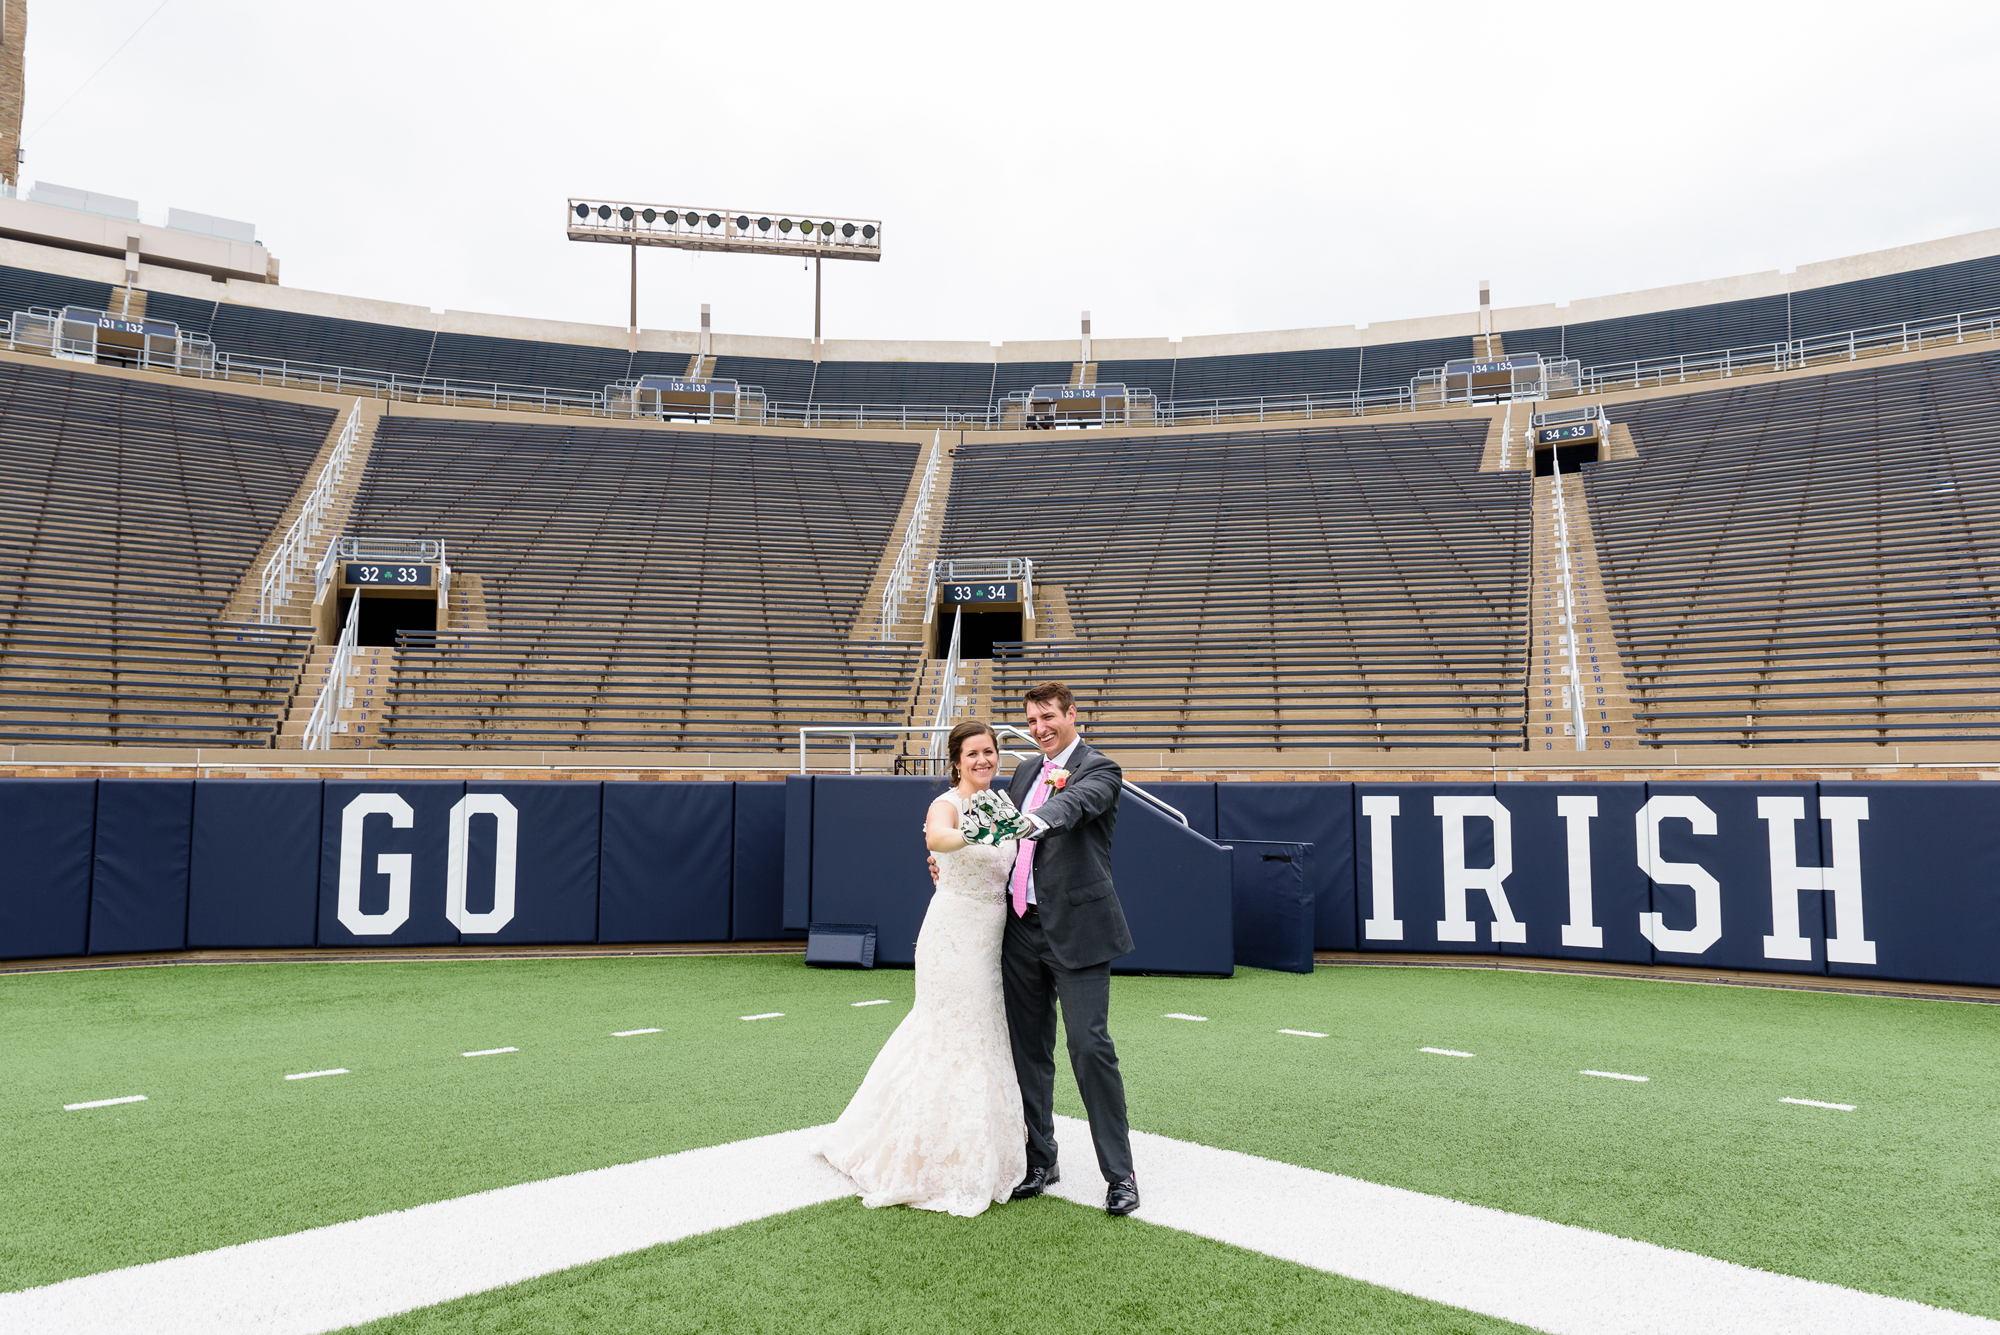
(1810, 560)
(783, 379)
(926, 383)
(644, 589)
(317, 340)
(1353, 587)
(22, 288)
(1917, 296)
(1011, 377)
(132, 509)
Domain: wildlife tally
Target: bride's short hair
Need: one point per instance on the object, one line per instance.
(960, 735)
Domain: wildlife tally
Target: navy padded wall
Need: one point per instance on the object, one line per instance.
(425, 842)
(1539, 889)
(139, 876)
(666, 861)
(45, 826)
(1273, 905)
(253, 867)
(1738, 857)
(555, 861)
(1930, 880)
(757, 881)
(1175, 886)
(798, 852)
(868, 858)
(1196, 801)
(1320, 814)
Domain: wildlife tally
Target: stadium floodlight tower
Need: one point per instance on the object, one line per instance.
(817, 237)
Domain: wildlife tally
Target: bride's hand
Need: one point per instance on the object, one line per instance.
(941, 834)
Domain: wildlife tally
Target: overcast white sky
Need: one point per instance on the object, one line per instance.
(1175, 169)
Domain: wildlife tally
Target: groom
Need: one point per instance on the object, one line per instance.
(1064, 927)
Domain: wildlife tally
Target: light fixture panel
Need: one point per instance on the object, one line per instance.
(623, 223)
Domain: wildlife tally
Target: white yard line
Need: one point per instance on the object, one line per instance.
(1553, 1277)
(883, 1002)
(1177, 1015)
(767, 1015)
(1613, 1075)
(1815, 1103)
(488, 1052)
(632, 1033)
(104, 1103)
(314, 1075)
(1302, 1033)
(327, 1278)
(1446, 1052)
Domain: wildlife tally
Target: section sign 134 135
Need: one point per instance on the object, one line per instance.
(387, 573)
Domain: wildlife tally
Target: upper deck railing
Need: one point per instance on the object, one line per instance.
(30, 331)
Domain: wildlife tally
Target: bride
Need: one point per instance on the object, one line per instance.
(937, 1123)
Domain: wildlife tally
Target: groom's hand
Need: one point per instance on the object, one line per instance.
(934, 869)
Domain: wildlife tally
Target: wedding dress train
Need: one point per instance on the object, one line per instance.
(937, 1124)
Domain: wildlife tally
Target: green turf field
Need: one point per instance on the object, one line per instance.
(1896, 1197)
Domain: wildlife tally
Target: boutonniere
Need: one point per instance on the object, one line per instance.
(1056, 778)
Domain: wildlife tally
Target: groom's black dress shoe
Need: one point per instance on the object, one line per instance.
(1037, 1181)
(1122, 1197)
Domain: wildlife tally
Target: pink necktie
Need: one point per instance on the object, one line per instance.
(1024, 861)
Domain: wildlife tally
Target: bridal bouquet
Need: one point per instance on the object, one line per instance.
(990, 817)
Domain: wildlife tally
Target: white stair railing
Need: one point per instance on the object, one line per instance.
(320, 726)
(913, 535)
(947, 705)
(1566, 601)
(292, 555)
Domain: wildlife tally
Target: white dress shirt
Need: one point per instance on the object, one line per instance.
(1061, 760)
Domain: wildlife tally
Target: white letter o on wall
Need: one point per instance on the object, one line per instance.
(507, 823)
(396, 866)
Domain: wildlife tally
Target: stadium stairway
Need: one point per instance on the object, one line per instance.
(971, 698)
(358, 723)
(1607, 697)
(295, 603)
(910, 623)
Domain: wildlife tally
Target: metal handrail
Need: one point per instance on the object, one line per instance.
(906, 555)
(1567, 602)
(320, 725)
(999, 730)
(275, 588)
(341, 548)
(948, 696)
(1751, 359)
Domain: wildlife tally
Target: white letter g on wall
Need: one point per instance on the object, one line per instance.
(396, 866)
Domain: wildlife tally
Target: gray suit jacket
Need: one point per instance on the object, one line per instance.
(1080, 912)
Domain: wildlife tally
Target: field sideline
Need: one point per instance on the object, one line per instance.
(1895, 1197)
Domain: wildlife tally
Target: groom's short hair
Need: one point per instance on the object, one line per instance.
(1052, 693)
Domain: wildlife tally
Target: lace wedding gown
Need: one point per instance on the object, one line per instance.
(937, 1122)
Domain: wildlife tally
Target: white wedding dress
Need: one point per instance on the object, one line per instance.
(937, 1122)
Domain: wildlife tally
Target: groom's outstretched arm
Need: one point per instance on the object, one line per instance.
(1092, 790)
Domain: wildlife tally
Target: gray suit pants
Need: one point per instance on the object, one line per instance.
(1033, 983)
